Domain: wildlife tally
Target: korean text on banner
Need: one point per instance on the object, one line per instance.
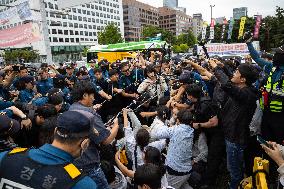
(211, 33)
(242, 27)
(230, 30)
(257, 26)
(23, 34)
(204, 28)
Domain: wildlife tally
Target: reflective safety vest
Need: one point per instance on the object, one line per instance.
(19, 171)
(273, 95)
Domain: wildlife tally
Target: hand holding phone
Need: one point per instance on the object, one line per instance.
(262, 141)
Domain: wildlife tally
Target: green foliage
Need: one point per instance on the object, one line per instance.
(176, 49)
(110, 35)
(150, 31)
(85, 51)
(184, 48)
(13, 56)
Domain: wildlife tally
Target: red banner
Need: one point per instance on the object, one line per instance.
(257, 26)
(23, 34)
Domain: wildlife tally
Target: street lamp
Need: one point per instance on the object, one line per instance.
(211, 6)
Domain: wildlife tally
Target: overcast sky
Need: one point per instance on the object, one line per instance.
(224, 7)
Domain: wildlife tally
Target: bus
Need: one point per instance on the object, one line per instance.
(120, 51)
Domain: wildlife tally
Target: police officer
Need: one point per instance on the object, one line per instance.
(129, 81)
(272, 101)
(45, 83)
(50, 166)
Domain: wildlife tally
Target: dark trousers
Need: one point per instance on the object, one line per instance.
(216, 153)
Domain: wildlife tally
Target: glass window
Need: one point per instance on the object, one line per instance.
(89, 20)
(76, 33)
(86, 39)
(77, 40)
(104, 9)
(66, 39)
(65, 32)
(93, 14)
(79, 11)
(93, 20)
(80, 25)
(54, 31)
(102, 21)
(100, 8)
(97, 14)
(97, 20)
(96, 7)
(88, 13)
(52, 14)
(94, 34)
(64, 16)
(70, 17)
(81, 33)
(55, 39)
(94, 27)
(74, 17)
(74, 10)
(72, 40)
(88, 6)
(85, 26)
(79, 18)
(76, 25)
(86, 33)
(60, 39)
(84, 11)
(71, 32)
(60, 32)
(64, 24)
(84, 19)
(92, 6)
(90, 34)
(82, 39)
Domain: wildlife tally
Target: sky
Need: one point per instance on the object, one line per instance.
(224, 7)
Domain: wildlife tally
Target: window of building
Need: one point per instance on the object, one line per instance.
(55, 39)
(60, 39)
(97, 14)
(93, 20)
(86, 39)
(64, 16)
(75, 25)
(77, 40)
(64, 24)
(88, 6)
(81, 33)
(90, 34)
(75, 17)
(94, 27)
(70, 17)
(66, 39)
(96, 7)
(102, 21)
(84, 19)
(74, 10)
(82, 39)
(65, 32)
(92, 6)
(70, 24)
(94, 34)
(72, 40)
(88, 13)
(76, 33)
(100, 8)
(80, 18)
(97, 20)
(84, 11)
(60, 32)
(104, 9)
(86, 33)
(52, 14)
(89, 20)
(54, 31)
(79, 11)
(71, 32)
(90, 26)
(80, 25)
(58, 16)
(85, 26)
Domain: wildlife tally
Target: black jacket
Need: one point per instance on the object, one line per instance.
(238, 111)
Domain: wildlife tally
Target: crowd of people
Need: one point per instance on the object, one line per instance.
(145, 123)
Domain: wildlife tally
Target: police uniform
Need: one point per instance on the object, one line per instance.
(43, 86)
(32, 168)
(26, 95)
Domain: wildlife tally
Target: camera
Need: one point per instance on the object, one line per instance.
(16, 68)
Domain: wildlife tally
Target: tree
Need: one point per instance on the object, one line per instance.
(13, 56)
(176, 49)
(150, 31)
(184, 48)
(110, 35)
(186, 38)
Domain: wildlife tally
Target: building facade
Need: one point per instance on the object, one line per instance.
(221, 20)
(69, 33)
(170, 3)
(240, 12)
(136, 15)
(174, 20)
(197, 24)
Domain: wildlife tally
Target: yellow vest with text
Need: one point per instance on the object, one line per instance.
(275, 95)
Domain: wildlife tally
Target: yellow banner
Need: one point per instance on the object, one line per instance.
(242, 27)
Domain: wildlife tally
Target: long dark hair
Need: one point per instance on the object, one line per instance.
(153, 155)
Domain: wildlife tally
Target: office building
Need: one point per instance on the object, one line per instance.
(240, 12)
(136, 15)
(197, 24)
(174, 20)
(170, 3)
(69, 33)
